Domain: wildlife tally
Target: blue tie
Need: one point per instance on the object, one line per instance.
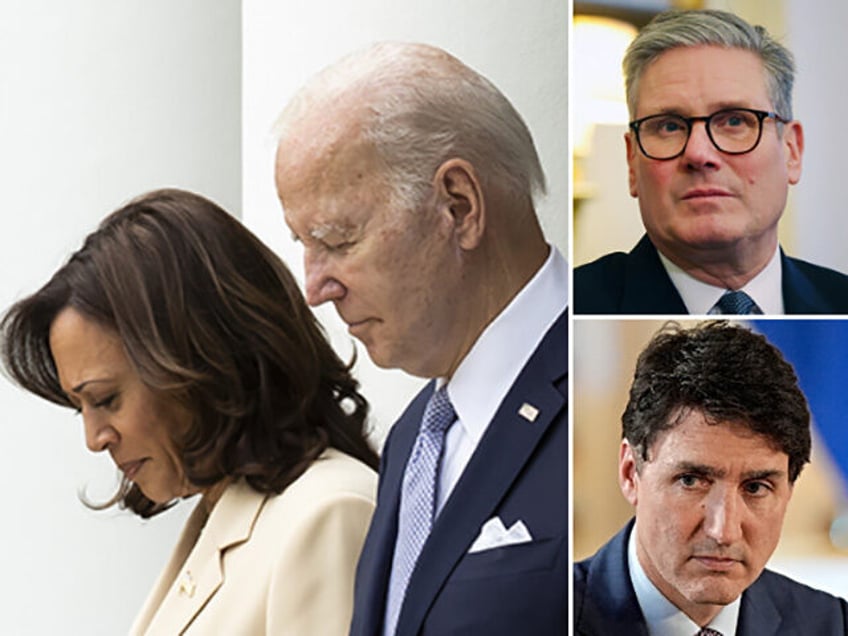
(737, 302)
(417, 500)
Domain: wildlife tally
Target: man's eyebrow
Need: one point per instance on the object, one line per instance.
(321, 231)
(771, 474)
(712, 472)
(703, 470)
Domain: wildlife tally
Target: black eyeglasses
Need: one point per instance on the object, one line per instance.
(734, 131)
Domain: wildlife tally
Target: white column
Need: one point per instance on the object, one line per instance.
(100, 101)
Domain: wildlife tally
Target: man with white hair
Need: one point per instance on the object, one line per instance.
(410, 180)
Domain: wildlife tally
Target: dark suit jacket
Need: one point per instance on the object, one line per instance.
(518, 472)
(637, 283)
(605, 603)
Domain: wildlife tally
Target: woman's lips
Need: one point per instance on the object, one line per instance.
(130, 469)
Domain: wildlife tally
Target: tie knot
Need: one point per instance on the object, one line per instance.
(439, 414)
(707, 631)
(737, 302)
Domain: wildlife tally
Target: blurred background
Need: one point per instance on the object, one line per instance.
(607, 219)
(814, 544)
(103, 100)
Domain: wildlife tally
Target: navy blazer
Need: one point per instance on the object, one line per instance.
(519, 471)
(637, 283)
(605, 603)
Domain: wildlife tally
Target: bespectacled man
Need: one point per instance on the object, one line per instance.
(711, 149)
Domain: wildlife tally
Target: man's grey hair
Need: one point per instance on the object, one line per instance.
(420, 107)
(674, 29)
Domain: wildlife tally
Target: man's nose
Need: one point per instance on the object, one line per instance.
(321, 284)
(723, 516)
(700, 151)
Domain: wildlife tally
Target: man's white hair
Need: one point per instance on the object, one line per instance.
(419, 107)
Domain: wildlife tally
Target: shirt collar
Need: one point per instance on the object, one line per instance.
(699, 297)
(662, 616)
(484, 376)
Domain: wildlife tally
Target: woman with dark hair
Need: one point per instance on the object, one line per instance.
(188, 349)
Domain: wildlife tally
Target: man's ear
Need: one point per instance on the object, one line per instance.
(632, 150)
(460, 197)
(628, 475)
(793, 139)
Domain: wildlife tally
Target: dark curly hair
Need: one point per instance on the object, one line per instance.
(727, 373)
(212, 319)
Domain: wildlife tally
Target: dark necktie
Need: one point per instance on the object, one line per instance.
(737, 302)
(706, 631)
(418, 500)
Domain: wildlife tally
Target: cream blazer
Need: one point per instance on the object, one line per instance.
(268, 564)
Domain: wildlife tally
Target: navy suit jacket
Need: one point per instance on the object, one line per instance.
(637, 283)
(519, 471)
(605, 603)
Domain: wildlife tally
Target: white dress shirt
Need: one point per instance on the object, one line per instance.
(765, 288)
(487, 372)
(662, 616)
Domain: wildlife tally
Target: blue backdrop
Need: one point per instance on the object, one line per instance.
(818, 349)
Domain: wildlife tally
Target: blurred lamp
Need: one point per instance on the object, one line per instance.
(599, 44)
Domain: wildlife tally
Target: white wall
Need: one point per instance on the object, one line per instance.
(520, 46)
(100, 101)
(816, 35)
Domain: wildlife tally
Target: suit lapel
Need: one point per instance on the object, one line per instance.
(647, 287)
(799, 294)
(188, 538)
(759, 615)
(610, 605)
(230, 523)
(372, 577)
(503, 451)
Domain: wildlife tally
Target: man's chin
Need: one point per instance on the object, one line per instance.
(716, 592)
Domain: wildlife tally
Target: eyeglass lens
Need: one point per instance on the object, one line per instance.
(731, 131)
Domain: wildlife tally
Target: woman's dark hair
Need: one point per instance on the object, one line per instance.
(210, 318)
(727, 373)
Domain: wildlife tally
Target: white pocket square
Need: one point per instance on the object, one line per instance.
(494, 534)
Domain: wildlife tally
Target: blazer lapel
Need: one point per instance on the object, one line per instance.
(609, 602)
(647, 287)
(759, 614)
(372, 578)
(799, 294)
(230, 523)
(503, 451)
(188, 538)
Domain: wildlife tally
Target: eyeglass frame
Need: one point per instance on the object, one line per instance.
(761, 115)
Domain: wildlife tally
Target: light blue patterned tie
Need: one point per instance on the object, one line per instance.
(737, 302)
(417, 500)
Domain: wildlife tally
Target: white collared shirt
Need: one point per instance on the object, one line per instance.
(662, 616)
(487, 372)
(765, 288)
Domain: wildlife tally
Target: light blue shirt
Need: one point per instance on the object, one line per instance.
(661, 615)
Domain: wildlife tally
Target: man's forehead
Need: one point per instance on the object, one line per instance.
(694, 439)
(730, 76)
